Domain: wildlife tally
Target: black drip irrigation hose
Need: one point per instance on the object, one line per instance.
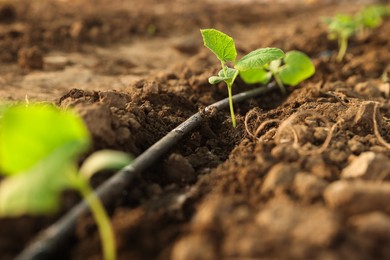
(49, 240)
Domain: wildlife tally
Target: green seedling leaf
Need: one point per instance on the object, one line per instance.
(217, 79)
(38, 149)
(220, 44)
(342, 25)
(258, 58)
(39, 146)
(36, 191)
(297, 67)
(230, 75)
(28, 135)
(104, 160)
(370, 17)
(254, 76)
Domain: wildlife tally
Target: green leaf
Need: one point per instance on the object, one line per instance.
(28, 135)
(217, 79)
(370, 17)
(342, 25)
(104, 160)
(230, 75)
(39, 145)
(297, 68)
(254, 76)
(37, 190)
(258, 58)
(220, 44)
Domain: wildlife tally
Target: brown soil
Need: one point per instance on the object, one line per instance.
(312, 185)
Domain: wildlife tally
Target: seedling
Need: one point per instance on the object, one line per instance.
(224, 48)
(295, 67)
(372, 16)
(342, 26)
(39, 147)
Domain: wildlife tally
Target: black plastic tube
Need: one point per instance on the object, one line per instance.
(49, 240)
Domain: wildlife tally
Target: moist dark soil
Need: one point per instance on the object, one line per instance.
(303, 176)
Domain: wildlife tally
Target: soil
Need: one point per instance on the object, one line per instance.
(312, 183)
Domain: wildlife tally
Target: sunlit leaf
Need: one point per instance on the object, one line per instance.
(38, 189)
(28, 135)
(230, 75)
(254, 76)
(104, 160)
(258, 58)
(220, 44)
(216, 79)
(297, 68)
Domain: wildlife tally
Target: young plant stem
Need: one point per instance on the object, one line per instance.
(343, 45)
(279, 83)
(102, 220)
(230, 85)
(231, 104)
(224, 68)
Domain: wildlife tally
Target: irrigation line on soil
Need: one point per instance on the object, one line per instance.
(49, 240)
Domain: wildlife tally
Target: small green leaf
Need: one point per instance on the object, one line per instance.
(258, 58)
(342, 25)
(28, 135)
(220, 44)
(216, 79)
(254, 76)
(371, 16)
(297, 68)
(37, 190)
(230, 75)
(104, 160)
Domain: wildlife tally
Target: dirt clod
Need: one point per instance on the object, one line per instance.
(179, 170)
(355, 197)
(194, 247)
(368, 165)
(279, 176)
(309, 187)
(30, 58)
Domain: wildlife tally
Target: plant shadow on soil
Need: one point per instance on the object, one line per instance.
(221, 193)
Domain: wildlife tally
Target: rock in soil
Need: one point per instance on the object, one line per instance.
(355, 197)
(309, 187)
(375, 224)
(285, 220)
(369, 166)
(279, 176)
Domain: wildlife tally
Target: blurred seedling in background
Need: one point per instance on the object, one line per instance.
(342, 26)
(292, 69)
(224, 48)
(372, 16)
(39, 150)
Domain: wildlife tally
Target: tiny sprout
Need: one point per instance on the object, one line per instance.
(224, 48)
(340, 28)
